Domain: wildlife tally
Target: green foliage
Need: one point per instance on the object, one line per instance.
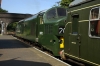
(12, 26)
(65, 3)
(3, 11)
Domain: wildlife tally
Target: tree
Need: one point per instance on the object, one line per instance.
(3, 11)
(65, 3)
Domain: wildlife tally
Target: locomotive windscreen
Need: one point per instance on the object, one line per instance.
(56, 13)
(61, 11)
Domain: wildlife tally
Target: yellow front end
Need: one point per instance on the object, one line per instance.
(62, 42)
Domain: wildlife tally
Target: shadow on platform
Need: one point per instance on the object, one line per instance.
(14, 62)
(1, 55)
(12, 43)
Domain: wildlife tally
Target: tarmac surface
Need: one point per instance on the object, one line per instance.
(16, 53)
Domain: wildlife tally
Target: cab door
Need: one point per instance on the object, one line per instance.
(39, 28)
(74, 36)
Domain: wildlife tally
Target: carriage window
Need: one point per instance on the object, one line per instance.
(94, 28)
(51, 14)
(95, 13)
(61, 11)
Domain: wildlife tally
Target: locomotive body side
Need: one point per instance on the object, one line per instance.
(19, 29)
(28, 28)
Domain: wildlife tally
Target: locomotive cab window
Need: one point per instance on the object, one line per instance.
(94, 23)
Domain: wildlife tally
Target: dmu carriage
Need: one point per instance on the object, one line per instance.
(82, 33)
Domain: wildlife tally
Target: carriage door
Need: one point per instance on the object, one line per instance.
(74, 43)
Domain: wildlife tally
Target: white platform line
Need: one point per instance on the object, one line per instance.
(52, 57)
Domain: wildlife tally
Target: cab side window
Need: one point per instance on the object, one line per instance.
(41, 20)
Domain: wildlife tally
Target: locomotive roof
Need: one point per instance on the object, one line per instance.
(43, 11)
(35, 15)
(74, 3)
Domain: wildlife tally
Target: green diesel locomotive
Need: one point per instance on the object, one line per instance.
(46, 28)
(82, 33)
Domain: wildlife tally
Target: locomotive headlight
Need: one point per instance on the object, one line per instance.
(61, 42)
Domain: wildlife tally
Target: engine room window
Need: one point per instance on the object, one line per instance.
(51, 14)
(94, 23)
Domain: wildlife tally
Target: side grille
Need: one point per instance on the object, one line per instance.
(48, 29)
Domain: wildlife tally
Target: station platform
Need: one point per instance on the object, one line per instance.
(16, 53)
